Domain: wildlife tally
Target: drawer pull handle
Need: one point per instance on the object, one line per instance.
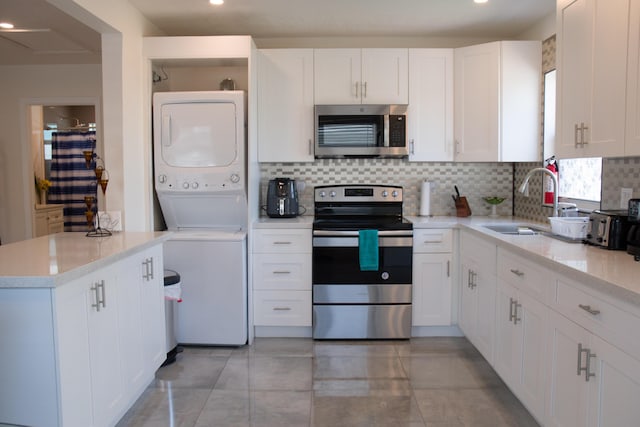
(281, 308)
(281, 272)
(589, 310)
(435, 240)
(517, 272)
(281, 243)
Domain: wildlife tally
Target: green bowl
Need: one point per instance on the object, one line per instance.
(494, 200)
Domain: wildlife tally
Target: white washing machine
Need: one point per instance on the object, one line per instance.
(212, 268)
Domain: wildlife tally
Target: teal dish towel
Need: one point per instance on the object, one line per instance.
(368, 250)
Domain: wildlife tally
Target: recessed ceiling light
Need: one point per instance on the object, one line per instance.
(480, 1)
(216, 2)
(6, 25)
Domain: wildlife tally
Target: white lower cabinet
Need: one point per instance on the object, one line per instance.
(81, 353)
(91, 369)
(478, 292)
(282, 277)
(591, 382)
(565, 349)
(520, 345)
(432, 282)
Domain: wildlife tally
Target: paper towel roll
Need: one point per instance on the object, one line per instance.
(425, 199)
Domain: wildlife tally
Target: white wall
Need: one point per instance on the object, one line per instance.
(19, 85)
(127, 151)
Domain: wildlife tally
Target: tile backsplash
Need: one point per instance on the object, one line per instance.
(474, 180)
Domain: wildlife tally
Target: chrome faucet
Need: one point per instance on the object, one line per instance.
(524, 187)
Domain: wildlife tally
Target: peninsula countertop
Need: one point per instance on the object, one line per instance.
(52, 260)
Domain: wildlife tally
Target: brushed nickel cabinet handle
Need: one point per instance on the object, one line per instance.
(589, 310)
(580, 351)
(281, 243)
(575, 135)
(357, 92)
(517, 272)
(281, 272)
(412, 145)
(448, 268)
(94, 288)
(364, 89)
(516, 319)
(511, 315)
(587, 373)
(281, 308)
(151, 268)
(104, 295)
(583, 128)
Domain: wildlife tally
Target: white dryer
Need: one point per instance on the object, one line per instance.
(199, 159)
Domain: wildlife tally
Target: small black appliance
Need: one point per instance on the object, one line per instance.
(608, 229)
(633, 238)
(282, 198)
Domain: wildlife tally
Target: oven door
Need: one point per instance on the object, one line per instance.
(352, 304)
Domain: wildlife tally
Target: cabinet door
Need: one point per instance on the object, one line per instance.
(152, 310)
(431, 289)
(337, 76)
(632, 137)
(485, 323)
(508, 338)
(615, 388)
(430, 111)
(285, 105)
(141, 316)
(41, 226)
(385, 76)
(533, 331)
(477, 72)
(592, 37)
(468, 301)
(567, 391)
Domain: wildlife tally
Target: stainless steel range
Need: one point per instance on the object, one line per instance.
(362, 262)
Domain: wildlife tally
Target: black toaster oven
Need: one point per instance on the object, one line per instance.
(608, 229)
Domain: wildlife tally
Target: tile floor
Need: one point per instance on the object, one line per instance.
(301, 382)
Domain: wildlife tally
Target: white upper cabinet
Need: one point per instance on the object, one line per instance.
(632, 141)
(361, 76)
(592, 40)
(285, 105)
(497, 102)
(430, 112)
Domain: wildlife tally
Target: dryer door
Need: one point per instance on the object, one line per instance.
(201, 134)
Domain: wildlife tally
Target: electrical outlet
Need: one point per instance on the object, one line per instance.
(625, 195)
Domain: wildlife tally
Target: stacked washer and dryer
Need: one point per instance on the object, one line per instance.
(200, 180)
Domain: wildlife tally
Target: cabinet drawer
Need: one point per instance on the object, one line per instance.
(619, 327)
(282, 241)
(432, 240)
(57, 227)
(55, 215)
(528, 277)
(282, 272)
(479, 252)
(282, 308)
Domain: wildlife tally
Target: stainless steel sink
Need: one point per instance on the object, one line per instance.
(516, 229)
(527, 230)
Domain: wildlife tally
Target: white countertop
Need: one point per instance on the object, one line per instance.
(55, 259)
(303, 221)
(611, 272)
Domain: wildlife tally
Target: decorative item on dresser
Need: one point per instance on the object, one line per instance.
(102, 178)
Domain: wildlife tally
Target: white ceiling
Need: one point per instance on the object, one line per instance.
(61, 39)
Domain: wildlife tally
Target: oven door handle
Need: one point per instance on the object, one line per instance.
(353, 242)
(355, 233)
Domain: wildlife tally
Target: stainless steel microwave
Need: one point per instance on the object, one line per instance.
(361, 131)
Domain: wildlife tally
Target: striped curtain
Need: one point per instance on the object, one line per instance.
(71, 180)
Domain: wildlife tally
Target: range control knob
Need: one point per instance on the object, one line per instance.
(332, 194)
(185, 185)
(385, 193)
(195, 185)
(322, 194)
(394, 193)
(162, 178)
(235, 178)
